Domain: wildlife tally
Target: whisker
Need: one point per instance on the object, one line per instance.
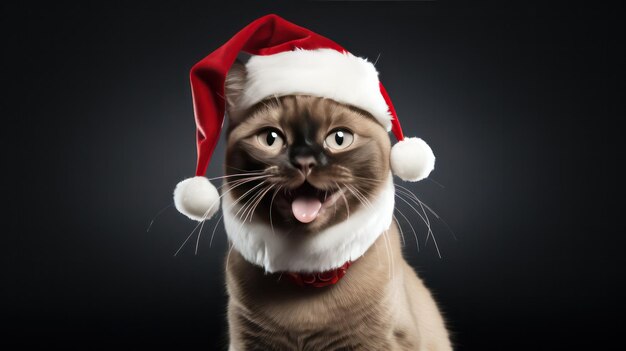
(271, 204)
(389, 254)
(205, 216)
(237, 169)
(413, 208)
(363, 192)
(430, 231)
(344, 200)
(408, 192)
(237, 175)
(424, 218)
(400, 229)
(436, 182)
(426, 222)
(259, 199)
(228, 209)
(438, 217)
(247, 212)
(246, 194)
(243, 219)
(198, 239)
(228, 256)
(377, 58)
(157, 215)
(368, 179)
(196, 227)
(244, 208)
(202, 226)
(357, 196)
(215, 228)
(417, 201)
(184, 242)
(363, 196)
(417, 243)
(237, 181)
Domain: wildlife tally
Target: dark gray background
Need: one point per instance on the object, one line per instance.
(519, 103)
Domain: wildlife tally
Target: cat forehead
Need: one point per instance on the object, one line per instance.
(295, 110)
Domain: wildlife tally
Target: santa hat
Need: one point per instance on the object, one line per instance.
(287, 59)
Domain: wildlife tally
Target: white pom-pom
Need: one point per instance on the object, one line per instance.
(196, 198)
(412, 159)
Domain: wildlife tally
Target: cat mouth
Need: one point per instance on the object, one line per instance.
(308, 202)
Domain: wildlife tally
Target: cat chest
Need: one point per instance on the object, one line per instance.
(265, 335)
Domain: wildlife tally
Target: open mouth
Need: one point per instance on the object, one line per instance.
(308, 202)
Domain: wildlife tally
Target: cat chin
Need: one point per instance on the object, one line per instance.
(330, 248)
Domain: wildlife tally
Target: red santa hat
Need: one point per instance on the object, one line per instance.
(287, 59)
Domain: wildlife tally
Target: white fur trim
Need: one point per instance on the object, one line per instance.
(323, 251)
(327, 73)
(412, 159)
(196, 198)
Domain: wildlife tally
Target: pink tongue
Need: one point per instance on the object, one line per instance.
(306, 209)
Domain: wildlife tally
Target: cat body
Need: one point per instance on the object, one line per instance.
(305, 193)
(380, 304)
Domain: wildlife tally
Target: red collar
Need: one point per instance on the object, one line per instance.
(318, 280)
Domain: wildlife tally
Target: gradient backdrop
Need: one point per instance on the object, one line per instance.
(517, 101)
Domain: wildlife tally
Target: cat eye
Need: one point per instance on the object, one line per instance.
(271, 139)
(339, 139)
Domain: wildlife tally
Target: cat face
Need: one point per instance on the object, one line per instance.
(301, 164)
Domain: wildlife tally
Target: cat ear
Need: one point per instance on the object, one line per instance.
(412, 159)
(234, 85)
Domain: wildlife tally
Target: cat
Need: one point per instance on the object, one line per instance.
(308, 185)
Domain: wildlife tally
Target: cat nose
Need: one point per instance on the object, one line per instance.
(305, 163)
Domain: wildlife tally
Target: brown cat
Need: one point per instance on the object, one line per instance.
(309, 189)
